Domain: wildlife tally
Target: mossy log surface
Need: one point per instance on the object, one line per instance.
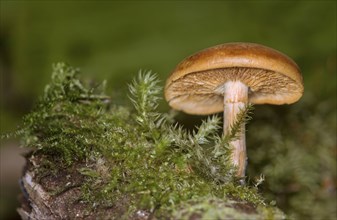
(58, 196)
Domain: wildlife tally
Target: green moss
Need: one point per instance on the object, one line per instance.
(135, 154)
(225, 208)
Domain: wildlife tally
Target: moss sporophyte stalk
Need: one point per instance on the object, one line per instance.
(135, 155)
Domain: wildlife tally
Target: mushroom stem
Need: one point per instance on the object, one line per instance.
(235, 99)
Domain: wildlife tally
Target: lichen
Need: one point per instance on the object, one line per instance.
(135, 155)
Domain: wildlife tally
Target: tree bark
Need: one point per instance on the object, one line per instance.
(58, 196)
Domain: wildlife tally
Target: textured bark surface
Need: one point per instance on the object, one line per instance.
(58, 196)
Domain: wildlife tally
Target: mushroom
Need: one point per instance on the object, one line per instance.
(229, 76)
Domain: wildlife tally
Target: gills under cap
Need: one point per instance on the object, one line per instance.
(196, 85)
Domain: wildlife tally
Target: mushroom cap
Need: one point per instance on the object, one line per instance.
(196, 85)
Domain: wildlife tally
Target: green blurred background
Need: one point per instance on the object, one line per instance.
(113, 40)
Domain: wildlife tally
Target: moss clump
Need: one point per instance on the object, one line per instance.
(225, 208)
(134, 154)
(66, 119)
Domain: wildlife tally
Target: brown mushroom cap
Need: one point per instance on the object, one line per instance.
(195, 86)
